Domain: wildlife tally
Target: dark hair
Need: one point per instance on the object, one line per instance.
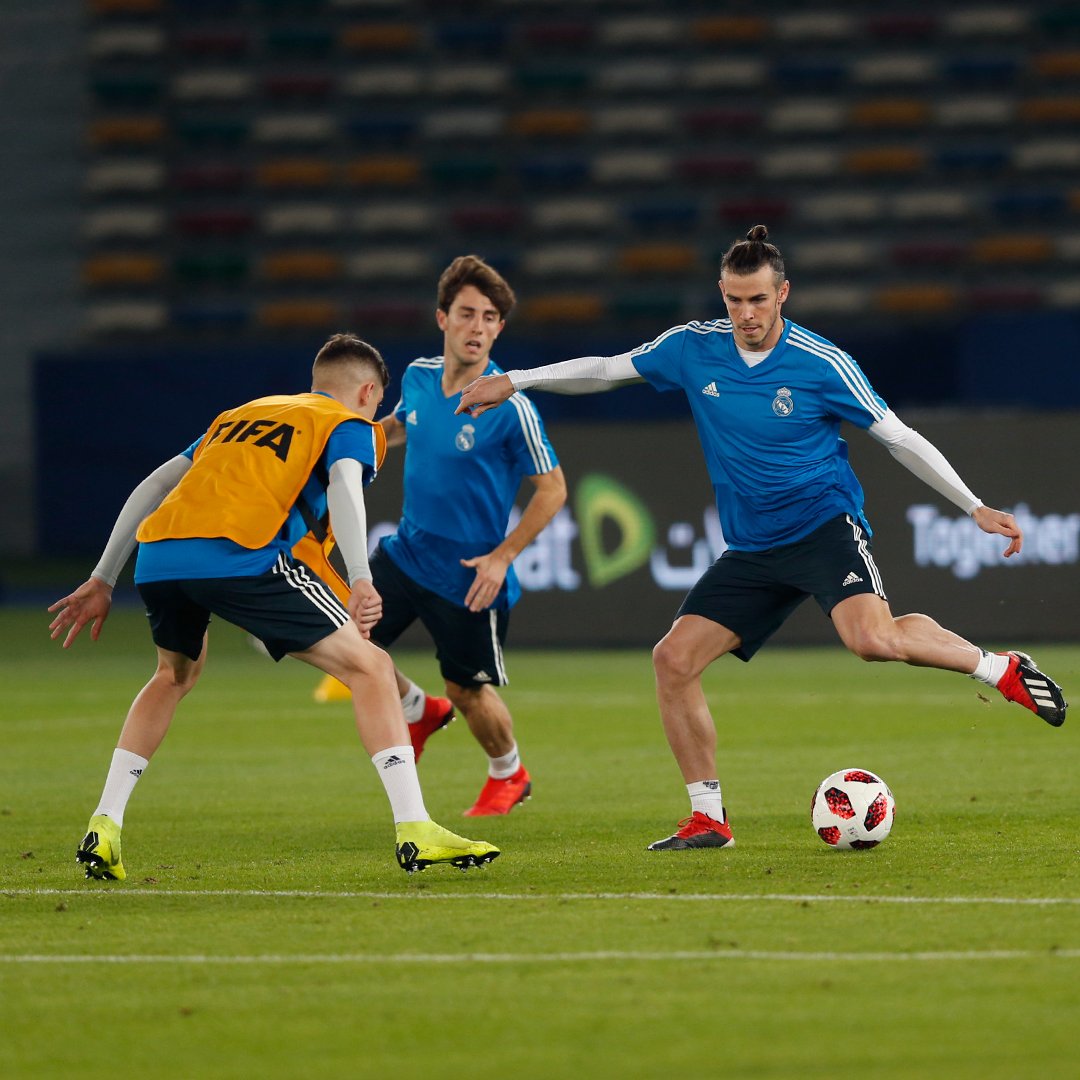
(342, 350)
(750, 255)
(472, 270)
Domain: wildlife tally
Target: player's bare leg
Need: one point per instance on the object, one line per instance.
(508, 782)
(679, 661)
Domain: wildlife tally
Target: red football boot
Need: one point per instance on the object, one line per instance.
(697, 831)
(438, 712)
(1025, 684)
(501, 796)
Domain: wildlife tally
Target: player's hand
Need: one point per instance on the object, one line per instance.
(490, 574)
(995, 521)
(89, 603)
(485, 393)
(365, 606)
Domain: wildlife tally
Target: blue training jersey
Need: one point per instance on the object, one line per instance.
(170, 560)
(462, 474)
(770, 433)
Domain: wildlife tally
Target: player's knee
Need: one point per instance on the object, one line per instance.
(463, 698)
(875, 646)
(178, 681)
(671, 663)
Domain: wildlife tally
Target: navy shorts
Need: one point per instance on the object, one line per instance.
(468, 644)
(753, 592)
(288, 609)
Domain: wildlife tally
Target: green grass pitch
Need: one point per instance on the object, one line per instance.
(266, 931)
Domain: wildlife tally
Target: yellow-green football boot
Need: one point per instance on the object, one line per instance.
(100, 850)
(422, 843)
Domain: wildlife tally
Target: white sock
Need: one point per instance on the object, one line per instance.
(990, 668)
(412, 701)
(124, 773)
(705, 798)
(502, 768)
(397, 771)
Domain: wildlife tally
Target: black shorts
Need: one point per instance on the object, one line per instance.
(288, 609)
(753, 592)
(468, 644)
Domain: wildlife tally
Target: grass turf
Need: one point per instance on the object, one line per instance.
(265, 928)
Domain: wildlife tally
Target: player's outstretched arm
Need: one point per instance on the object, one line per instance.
(90, 603)
(997, 521)
(487, 392)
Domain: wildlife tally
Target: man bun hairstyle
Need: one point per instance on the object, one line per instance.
(472, 270)
(750, 255)
(344, 351)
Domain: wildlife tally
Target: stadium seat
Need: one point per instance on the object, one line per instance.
(204, 223)
(679, 215)
(753, 209)
(890, 113)
(804, 74)
(1060, 22)
(918, 299)
(978, 160)
(553, 171)
(211, 176)
(722, 73)
(474, 37)
(649, 308)
(300, 315)
(583, 214)
(380, 39)
(298, 173)
(563, 308)
(288, 266)
(723, 120)
(631, 167)
(564, 35)
(990, 70)
(829, 300)
(560, 78)
(126, 316)
(469, 80)
(928, 253)
(305, 86)
(303, 219)
(910, 26)
(895, 69)
(978, 111)
(220, 268)
(644, 122)
(1063, 293)
(815, 26)
(840, 253)
(639, 32)
(294, 128)
(549, 124)
(384, 170)
(727, 30)
(127, 131)
(122, 268)
(126, 7)
(392, 264)
(382, 81)
(463, 123)
(1047, 155)
(390, 315)
(1055, 110)
(798, 115)
(997, 297)
(210, 317)
(998, 22)
(111, 177)
(566, 260)
(800, 163)
(125, 42)
(124, 222)
(839, 207)
(1057, 64)
(220, 130)
(1012, 249)
(213, 42)
(1014, 205)
(374, 218)
(300, 39)
(932, 204)
(383, 128)
(713, 168)
(659, 258)
(486, 217)
(471, 171)
(224, 84)
(886, 160)
(640, 77)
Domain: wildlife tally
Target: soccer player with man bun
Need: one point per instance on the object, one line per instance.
(768, 397)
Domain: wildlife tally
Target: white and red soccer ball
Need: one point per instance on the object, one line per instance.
(853, 808)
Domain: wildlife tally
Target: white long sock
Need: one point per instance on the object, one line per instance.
(412, 702)
(503, 767)
(124, 773)
(990, 668)
(705, 798)
(397, 771)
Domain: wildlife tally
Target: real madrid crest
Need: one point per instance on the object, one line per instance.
(782, 404)
(465, 439)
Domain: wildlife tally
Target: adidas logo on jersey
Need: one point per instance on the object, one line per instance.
(851, 579)
(710, 390)
(410, 417)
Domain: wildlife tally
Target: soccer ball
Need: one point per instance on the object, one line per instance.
(853, 808)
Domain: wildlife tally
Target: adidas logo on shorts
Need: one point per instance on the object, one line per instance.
(851, 579)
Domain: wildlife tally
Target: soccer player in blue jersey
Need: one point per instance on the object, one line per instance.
(450, 562)
(768, 398)
(215, 526)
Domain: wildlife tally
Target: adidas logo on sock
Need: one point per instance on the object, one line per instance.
(851, 579)
(710, 390)
(391, 761)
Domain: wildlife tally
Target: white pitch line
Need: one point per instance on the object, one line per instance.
(556, 958)
(788, 898)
